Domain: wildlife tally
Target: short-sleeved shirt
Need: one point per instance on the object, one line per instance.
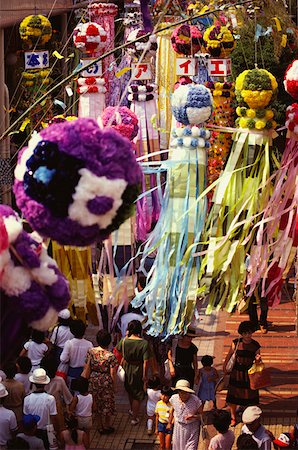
(40, 404)
(60, 335)
(35, 352)
(163, 410)
(184, 356)
(8, 423)
(24, 379)
(34, 442)
(260, 436)
(75, 352)
(182, 410)
(222, 441)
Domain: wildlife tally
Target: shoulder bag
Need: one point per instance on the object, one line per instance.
(231, 363)
(121, 371)
(167, 364)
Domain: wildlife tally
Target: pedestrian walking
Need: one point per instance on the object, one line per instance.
(251, 418)
(185, 364)
(207, 378)
(153, 396)
(164, 420)
(225, 438)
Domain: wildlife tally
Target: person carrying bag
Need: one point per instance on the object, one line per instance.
(259, 376)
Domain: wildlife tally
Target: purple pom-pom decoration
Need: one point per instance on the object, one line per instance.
(76, 183)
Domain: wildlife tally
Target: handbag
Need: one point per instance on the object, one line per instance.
(230, 364)
(222, 384)
(259, 376)
(121, 371)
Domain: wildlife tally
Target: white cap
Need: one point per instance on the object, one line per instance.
(251, 414)
(39, 376)
(64, 314)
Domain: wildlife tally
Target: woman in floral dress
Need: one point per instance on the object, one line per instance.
(103, 368)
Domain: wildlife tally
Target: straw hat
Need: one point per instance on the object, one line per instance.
(3, 391)
(39, 376)
(184, 385)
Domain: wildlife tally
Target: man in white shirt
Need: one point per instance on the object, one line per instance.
(251, 418)
(75, 350)
(8, 421)
(41, 404)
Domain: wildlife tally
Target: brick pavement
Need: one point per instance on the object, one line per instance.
(279, 402)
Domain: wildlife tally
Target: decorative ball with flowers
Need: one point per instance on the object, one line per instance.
(292, 118)
(219, 41)
(255, 88)
(89, 38)
(37, 79)
(192, 104)
(145, 45)
(291, 79)
(186, 39)
(259, 119)
(35, 31)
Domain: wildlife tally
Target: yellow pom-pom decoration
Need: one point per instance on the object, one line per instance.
(251, 113)
(219, 41)
(256, 88)
(269, 114)
(35, 30)
(260, 124)
(243, 122)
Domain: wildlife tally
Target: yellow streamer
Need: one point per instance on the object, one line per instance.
(122, 72)
(277, 22)
(284, 40)
(24, 124)
(57, 55)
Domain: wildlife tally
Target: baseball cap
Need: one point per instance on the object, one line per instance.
(29, 420)
(283, 440)
(251, 414)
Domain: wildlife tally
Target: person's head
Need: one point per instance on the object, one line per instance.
(81, 384)
(166, 393)
(50, 365)
(246, 442)
(134, 327)
(221, 420)
(24, 364)
(30, 422)
(252, 417)
(78, 328)
(282, 441)
(37, 336)
(189, 335)
(39, 378)
(246, 328)
(153, 383)
(184, 390)
(207, 361)
(3, 393)
(103, 338)
(10, 370)
(64, 317)
(141, 281)
(17, 443)
(72, 424)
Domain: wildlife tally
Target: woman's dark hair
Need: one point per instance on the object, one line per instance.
(153, 383)
(80, 384)
(246, 327)
(134, 327)
(207, 361)
(17, 443)
(78, 328)
(10, 370)
(103, 338)
(166, 390)
(24, 364)
(221, 420)
(49, 364)
(246, 442)
(37, 336)
(72, 425)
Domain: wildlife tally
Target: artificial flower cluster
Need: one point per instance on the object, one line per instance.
(141, 93)
(186, 39)
(191, 137)
(219, 41)
(99, 9)
(225, 89)
(255, 88)
(192, 104)
(37, 78)
(35, 31)
(259, 119)
(91, 85)
(90, 37)
(76, 183)
(291, 79)
(122, 119)
(145, 45)
(292, 118)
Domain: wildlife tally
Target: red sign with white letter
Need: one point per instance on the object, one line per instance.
(219, 67)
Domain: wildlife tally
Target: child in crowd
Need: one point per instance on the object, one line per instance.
(246, 442)
(72, 438)
(207, 379)
(153, 393)
(81, 405)
(282, 441)
(225, 438)
(35, 349)
(164, 429)
(16, 392)
(29, 435)
(24, 367)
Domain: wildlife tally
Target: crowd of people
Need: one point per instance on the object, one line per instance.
(57, 385)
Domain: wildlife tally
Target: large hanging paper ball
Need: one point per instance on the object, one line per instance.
(90, 37)
(255, 88)
(76, 183)
(122, 119)
(192, 104)
(35, 30)
(219, 41)
(291, 79)
(136, 49)
(186, 39)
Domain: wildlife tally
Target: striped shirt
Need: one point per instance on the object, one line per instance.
(163, 410)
